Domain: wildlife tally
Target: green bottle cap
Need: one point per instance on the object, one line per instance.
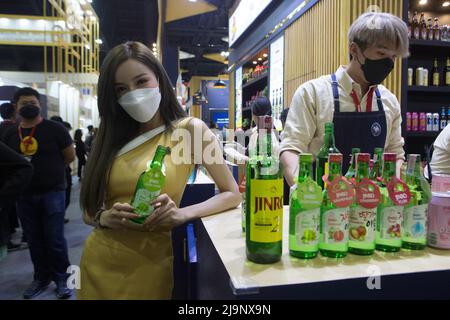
(329, 127)
(378, 150)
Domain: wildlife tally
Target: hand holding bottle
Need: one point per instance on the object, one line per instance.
(166, 215)
(118, 217)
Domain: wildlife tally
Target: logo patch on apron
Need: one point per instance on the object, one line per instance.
(376, 129)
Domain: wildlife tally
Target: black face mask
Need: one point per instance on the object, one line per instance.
(29, 111)
(375, 71)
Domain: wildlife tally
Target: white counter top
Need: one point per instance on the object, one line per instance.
(225, 232)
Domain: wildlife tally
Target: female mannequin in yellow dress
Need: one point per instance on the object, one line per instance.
(122, 259)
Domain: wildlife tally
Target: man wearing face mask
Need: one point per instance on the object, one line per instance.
(365, 113)
(49, 148)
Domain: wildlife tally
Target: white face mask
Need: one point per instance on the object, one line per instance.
(141, 104)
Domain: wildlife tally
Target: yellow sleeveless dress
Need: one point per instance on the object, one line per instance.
(126, 264)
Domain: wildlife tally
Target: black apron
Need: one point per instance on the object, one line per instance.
(364, 130)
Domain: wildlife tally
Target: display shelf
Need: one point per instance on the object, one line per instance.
(421, 134)
(431, 89)
(253, 81)
(429, 43)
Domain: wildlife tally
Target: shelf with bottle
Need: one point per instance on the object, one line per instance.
(435, 80)
(420, 31)
(421, 124)
(256, 68)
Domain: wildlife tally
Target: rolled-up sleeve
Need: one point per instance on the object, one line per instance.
(301, 121)
(394, 140)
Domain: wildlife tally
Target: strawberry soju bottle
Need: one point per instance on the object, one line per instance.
(335, 210)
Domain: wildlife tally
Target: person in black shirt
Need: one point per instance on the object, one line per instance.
(15, 174)
(8, 114)
(68, 168)
(49, 148)
(80, 149)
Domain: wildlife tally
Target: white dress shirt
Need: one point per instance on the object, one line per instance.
(312, 106)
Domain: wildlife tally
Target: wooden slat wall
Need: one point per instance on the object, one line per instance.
(317, 43)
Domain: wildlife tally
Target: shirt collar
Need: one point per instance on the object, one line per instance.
(346, 82)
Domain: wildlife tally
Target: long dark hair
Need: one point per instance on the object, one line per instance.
(78, 135)
(116, 126)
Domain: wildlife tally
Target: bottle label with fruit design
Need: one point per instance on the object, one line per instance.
(335, 226)
(391, 221)
(266, 210)
(415, 220)
(362, 224)
(340, 191)
(148, 188)
(399, 192)
(307, 228)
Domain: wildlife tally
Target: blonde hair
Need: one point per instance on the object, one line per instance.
(372, 29)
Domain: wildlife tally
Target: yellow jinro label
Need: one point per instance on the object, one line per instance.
(266, 210)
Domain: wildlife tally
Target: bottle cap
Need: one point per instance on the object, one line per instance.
(363, 157)
(335, 157)
(390, 157)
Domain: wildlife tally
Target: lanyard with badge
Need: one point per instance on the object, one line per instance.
(358, 103)
(28, 144)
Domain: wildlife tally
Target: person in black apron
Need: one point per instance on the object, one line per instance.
(375, 41)
(364, 130)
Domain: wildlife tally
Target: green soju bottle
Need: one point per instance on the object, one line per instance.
(375, 173)
(390, 209)
(304, 212)
(322, 156)
(414, 228)
(363, 214)
(264, 205)
(335, 211)
(351, 172)
(149, 185)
